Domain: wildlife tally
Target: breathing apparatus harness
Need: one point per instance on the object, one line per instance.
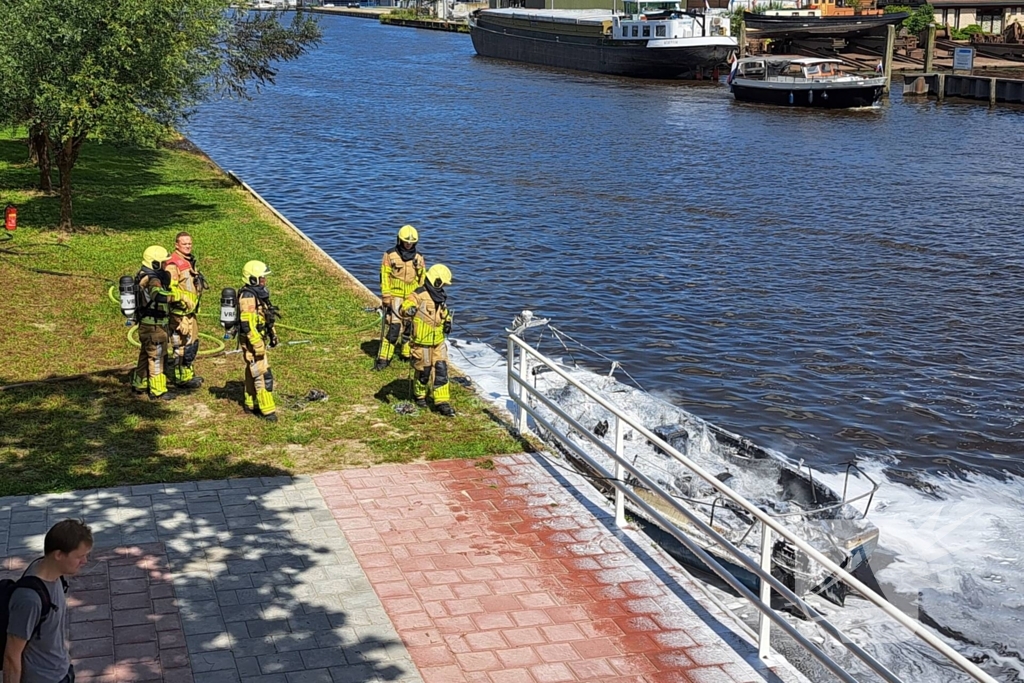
(137, 302)
(229, 314)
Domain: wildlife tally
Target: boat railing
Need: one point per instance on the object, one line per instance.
(521, 357)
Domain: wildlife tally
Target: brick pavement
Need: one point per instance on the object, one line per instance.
(436, 572)
(217, 581)
(514, 573)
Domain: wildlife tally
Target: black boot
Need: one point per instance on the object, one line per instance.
(269, 417)
(381, 364)
(445, 409)
(166, 396)
(421, 403)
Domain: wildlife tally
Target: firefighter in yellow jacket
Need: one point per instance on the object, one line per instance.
(431, 321)
(153, 299)
(183, 326)
(256, 317)
(401, 271)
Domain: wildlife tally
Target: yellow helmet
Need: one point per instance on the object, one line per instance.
(439, 275)
(252, 271)
(154, 257)
(407, 233)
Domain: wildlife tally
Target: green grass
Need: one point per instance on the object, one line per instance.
(56, 320)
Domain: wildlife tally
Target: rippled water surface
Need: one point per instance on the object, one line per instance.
(835, 285)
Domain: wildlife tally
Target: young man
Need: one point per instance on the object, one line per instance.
(43, 657)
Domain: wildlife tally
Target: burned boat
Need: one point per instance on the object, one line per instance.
(834, 524)
(785, 24)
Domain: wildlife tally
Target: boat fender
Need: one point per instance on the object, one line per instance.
(643, 17)
(824, 95)
(791, 98)
(810, 96)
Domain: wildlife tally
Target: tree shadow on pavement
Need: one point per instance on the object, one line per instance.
(231, 580)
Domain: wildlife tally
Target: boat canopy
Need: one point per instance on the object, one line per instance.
(786, 60)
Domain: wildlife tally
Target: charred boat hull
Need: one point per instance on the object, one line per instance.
(789, 27)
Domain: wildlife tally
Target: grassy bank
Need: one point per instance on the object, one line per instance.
(56, 321)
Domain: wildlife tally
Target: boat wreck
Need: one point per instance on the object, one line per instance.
(679, 456)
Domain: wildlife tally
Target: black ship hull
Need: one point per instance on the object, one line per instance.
(764, 26)
(833, 97)
(695, 58)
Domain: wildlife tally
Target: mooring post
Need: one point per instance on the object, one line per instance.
(929, 50)
(890, 45)
(993, 85)
(940, 86)
(743, 39)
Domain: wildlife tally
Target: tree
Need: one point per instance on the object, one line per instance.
(921, 17)
(128, 71)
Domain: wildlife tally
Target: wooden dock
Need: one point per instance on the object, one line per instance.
(994, 90)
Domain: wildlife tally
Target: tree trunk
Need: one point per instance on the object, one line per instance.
(39, 142)
(33, 157)
(66, 158)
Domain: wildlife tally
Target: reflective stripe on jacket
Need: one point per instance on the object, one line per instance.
(400, 278)
(428, 318)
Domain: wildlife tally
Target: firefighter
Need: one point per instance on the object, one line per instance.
(183, 326)
(431, 322)
(256, 317)
(401, 271)
(154, 297)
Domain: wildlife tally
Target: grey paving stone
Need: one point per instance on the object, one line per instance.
(295, 641)
(251, 647)
(281, 662)
(310, 676)
(272, 678)
(222, 676)
(214, 485)
(241, 612)
(267, 627)
(195, 626)
(210, 642)
(219, 660)
(310, 622)
(248, 666)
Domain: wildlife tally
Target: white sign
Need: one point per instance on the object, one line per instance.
(963, 59)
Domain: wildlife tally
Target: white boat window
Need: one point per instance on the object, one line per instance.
(625, 32)
(636, 31)
(659, 31)
(647, 31)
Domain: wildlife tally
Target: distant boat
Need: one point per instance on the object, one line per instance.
(799, 24)
(792, 81)
(654, 39)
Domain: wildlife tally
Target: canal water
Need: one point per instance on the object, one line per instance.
(834, 285)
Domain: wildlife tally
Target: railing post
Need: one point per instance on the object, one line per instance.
(520, 410)
(764, 624)
(620, 475)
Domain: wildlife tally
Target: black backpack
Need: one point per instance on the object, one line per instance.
(7, 588)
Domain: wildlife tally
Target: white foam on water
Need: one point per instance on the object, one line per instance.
(957, 544)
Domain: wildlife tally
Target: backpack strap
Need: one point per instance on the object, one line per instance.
(36, 584)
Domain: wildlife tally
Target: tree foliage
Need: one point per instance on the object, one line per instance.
(921, 17)
(128, 71)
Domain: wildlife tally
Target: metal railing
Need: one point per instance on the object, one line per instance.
(520, 358)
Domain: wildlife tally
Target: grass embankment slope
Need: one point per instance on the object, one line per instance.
(56, 320)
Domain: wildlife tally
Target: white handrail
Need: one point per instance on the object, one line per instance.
(517, 382)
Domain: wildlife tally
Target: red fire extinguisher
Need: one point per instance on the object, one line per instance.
(11, 217)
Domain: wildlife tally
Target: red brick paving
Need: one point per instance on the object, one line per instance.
(124, 623)
(500, 575)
